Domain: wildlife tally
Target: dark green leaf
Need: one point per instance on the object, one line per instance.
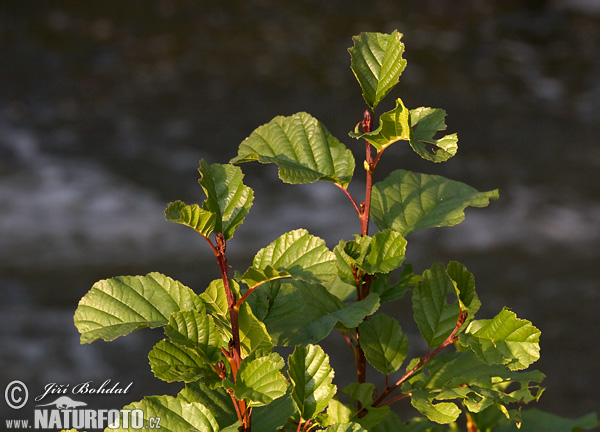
(377, 64)
(302, 148)
(435, 317)
(408, 202)
(118, 306)
(535, 420)
(383, 342)
(311, 376)
(270, 417)
(345, 427)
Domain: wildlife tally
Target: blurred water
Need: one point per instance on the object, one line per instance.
(106, 110)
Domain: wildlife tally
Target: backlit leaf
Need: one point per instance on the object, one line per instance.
(377, 64)
(260, 381)
(311, 377)
(193, 216)
(302, 148)
(426, 122)
(175, 415)
(408, 201)
(393, 126)
(300, 313)
(504, 339)
(118, 306)
(171, 362)
(197, 331)
(300, 254)
(226, 196)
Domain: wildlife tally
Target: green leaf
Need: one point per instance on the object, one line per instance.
(465, 284)
(377, 64)
(311, 377)
(338, 412)
(301, 313)
(193, 216)
(254, 277)
(425, 123)
(534, 420)
(118, 306)
(394, 126)
(171, 362)
(300, 254)
(227, 197)
(383, 342)
(386, 252)
(345, 427)
(441, 412)
(217, 400)
(382, 253)
(435, 317)
(408, 202)
(388, 291)
(259, 381)
(504, 339)
(302, 148)
(364, 393)
(197, 331)
(270, 417)
(175, 415)
(463, 376)
(253, 333)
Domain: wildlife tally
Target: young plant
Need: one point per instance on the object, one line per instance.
(222, 342)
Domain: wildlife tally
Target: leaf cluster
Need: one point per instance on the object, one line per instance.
(223, 342)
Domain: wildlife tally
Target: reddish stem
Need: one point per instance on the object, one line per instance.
(462, 316)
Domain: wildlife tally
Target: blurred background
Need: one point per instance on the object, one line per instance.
(107, 107)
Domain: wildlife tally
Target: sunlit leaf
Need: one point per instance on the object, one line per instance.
(301, 313)
(118, 306)
(383, 342)
(300, 254)
(302, 148)
(200, 220)
(311, 377)
(440, 412)
(175, 415)
(377, 64)
(504, 339)
(253, 334)
(260, 381)
(393, 126)
(426, 122)
(408, 201)
(226, 195)
(217, 400)
(345, 427)
(197, 331)
(172, 362)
